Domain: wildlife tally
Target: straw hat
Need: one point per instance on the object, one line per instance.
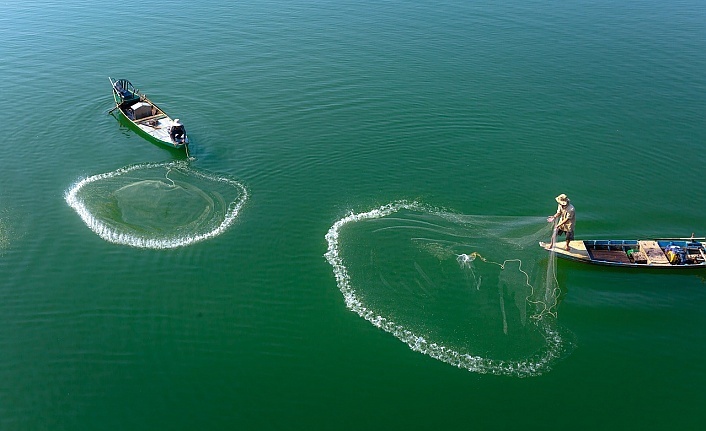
(562, 199)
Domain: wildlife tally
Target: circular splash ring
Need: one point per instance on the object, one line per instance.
(143, 220)
(555, 344)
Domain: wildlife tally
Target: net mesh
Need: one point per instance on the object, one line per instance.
(472, 291)
(157, 205)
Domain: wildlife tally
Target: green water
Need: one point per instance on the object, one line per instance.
(306, 112)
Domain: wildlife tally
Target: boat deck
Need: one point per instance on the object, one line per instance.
(577, 251)
(157, 127)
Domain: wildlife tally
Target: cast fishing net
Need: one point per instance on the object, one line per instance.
(157, 205)
(476, 292)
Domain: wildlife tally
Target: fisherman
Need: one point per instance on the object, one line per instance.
(177, 132)
(564, 220)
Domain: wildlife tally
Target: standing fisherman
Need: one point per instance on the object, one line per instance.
(564, 220)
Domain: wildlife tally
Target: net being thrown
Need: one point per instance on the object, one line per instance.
(545, 306)
(463, 289)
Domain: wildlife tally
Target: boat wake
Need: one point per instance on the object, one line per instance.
(467, 290)
(157, 205)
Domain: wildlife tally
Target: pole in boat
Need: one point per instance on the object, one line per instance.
(112, 84)
(691, 238)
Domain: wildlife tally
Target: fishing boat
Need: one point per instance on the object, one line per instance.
(146, 117)
(677, 253)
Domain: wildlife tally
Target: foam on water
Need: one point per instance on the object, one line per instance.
(4, 237)
(144, 205)
(549, 341)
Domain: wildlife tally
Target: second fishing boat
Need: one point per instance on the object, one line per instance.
(146, 117)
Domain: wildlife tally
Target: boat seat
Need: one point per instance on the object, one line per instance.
(150, 118)
(130, 101)
(124, 92)
(655, 255)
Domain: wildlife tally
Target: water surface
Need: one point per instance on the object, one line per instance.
(321, 109)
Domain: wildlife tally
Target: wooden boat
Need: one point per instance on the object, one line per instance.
(678, 253)
(146, 117)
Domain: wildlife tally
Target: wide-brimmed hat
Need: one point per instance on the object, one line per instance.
(562, 199)
(177, 122)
